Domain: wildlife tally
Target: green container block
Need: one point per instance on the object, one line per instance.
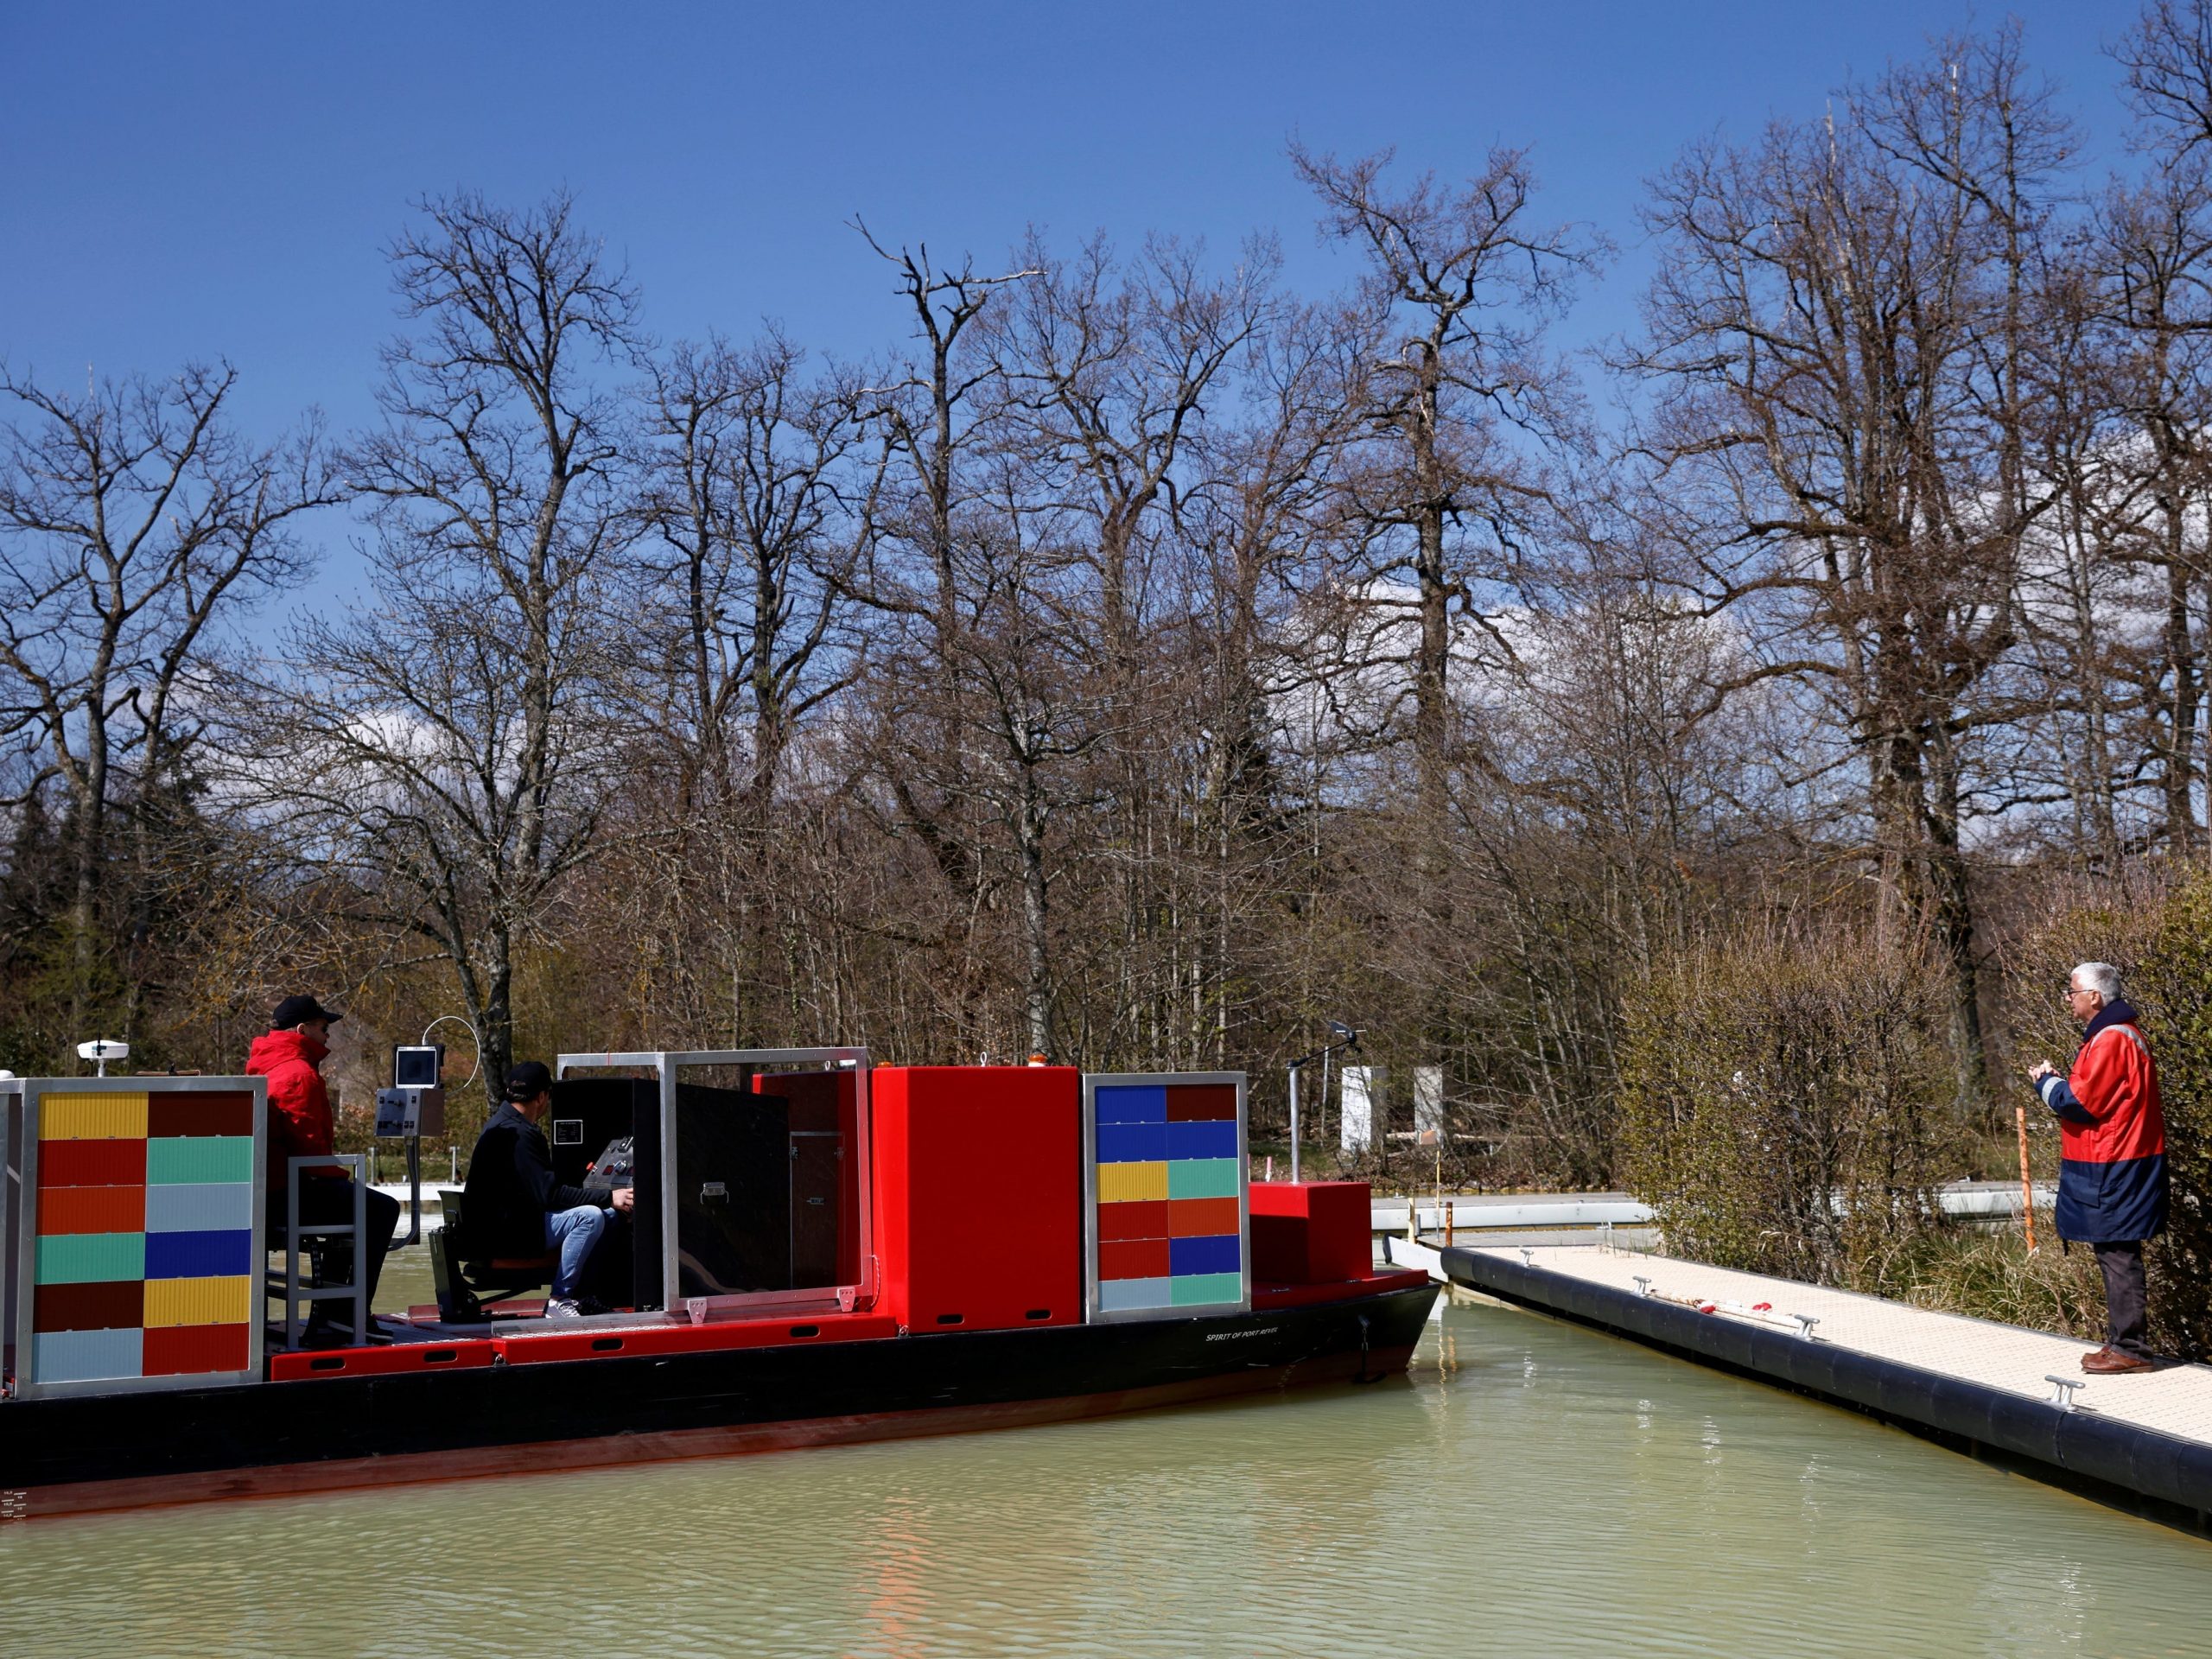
(1203, 1289)
(1203, 1177)
(91, 1258)
(183, 1160)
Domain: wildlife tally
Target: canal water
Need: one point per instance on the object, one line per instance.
(1531, 1489)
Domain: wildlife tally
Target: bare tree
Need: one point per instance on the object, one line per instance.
(763, 498)
(1837, 339)
(455, 764)
(134, 524)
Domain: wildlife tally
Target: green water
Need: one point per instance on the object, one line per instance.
(1531, 1488)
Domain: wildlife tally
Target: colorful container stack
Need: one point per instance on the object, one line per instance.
(141, 1230)
(1170, 1183)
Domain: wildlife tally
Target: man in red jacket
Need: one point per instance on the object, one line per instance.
(2112, 1167)
(298, 1127)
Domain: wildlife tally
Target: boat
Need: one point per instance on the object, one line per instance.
(821, 1252)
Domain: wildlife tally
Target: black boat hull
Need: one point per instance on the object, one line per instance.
(59, 1456)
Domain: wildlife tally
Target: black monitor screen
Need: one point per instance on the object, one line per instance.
(416, 1067)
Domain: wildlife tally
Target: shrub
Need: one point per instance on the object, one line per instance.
(1786, 1102)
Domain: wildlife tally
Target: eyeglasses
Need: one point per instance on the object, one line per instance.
(2074, 990)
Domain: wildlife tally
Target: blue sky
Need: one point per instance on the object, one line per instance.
(197, 182)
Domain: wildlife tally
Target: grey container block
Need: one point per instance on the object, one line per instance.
(200, 1207)
(86, 1356)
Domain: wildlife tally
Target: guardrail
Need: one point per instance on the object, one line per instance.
(1521, 1211)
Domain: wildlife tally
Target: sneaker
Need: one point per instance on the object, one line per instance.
(563, 1308)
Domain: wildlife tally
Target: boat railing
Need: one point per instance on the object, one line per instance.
(300, 1297)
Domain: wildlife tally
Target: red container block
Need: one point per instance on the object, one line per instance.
(108, 1305)
(1141, 1218)
(1134, 1258)
(91, 1210)
(1202, 1217)
(1310, 1232)
(1201, 1102)
(979, 1195)
(184, 1350)
(92, 1163)
(194, 1112)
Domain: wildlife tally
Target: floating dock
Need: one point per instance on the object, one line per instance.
(2017, 1396)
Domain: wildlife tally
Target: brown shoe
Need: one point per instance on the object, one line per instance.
(2110, 1362)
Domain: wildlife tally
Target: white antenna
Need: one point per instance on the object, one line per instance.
(101, 1049)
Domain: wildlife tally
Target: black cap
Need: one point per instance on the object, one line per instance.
(528, 1081)
(293, 1009)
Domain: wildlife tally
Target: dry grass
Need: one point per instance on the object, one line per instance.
(1990, 1275)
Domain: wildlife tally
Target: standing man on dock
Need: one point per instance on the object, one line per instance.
(2112, 1170)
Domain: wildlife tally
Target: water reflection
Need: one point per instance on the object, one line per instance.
(1531, 1488)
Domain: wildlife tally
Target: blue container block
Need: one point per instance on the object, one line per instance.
(1211, 1139)
(1188, 1256)
(1133, 1143)
(201, 1207)
(199, 1255)
(87, 1355)
(1130, 1103)
(1117, 1294)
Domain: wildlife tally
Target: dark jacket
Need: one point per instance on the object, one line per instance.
(2111, 1169)
(511, 1189)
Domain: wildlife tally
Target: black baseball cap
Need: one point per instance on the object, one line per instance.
(528, 1081)
(294, 1009)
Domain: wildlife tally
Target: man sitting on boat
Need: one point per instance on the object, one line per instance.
(290, 1056)
(516, 1205)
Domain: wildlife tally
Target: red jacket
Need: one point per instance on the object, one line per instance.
(2112, 1168)
(299, 1106)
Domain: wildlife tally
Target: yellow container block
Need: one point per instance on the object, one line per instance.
(91, 1117)
(1132, 1182)
(198, 1301)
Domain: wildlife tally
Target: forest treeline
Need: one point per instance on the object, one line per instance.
(1146, 662)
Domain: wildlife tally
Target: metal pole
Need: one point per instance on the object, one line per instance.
(414, 1189)
(2027, 1186)
(1327, 1056)
(1294, 1124)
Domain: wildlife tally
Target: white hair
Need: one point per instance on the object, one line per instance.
(2098, 976)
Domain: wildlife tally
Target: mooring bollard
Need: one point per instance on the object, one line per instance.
(1642, 1285)
(2062, 1395)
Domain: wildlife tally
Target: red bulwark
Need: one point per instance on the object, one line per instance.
(1310, 1232)
(979, 1195)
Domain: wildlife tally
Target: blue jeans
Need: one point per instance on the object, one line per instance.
(575, 1234)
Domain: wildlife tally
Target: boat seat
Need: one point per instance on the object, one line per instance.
(468, 1285)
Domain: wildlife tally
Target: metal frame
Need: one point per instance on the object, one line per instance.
(11, 1159)
(1092, 1313)
(25, 1221)
(664, 1064)
(356, 1290)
